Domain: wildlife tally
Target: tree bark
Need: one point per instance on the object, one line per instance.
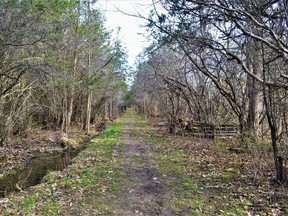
(69, 112)
(111, 108)
(88, 112)
(254, 108)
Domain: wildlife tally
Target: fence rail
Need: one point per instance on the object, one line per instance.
(203, 130)
(210, 131)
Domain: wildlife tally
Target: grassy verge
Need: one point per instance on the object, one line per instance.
(81, 188)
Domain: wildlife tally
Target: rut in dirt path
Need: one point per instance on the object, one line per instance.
(144, 192)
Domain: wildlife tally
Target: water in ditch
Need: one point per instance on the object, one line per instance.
(34, 172)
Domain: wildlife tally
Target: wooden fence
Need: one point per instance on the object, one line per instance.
(204, 130)
(209, 131)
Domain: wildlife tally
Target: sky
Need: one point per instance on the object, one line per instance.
(131, 32)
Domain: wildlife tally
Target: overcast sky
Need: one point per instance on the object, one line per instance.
(130, 33)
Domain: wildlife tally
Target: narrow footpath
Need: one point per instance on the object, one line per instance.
(144, 192)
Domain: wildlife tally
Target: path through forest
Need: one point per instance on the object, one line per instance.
(144, 192)
(136, 169)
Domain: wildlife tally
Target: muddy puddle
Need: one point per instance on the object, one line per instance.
(34, 172)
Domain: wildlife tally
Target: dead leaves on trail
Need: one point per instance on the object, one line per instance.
(229, 180)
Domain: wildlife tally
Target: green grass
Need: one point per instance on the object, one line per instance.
(28, 203)
(4, 213)
(50, 209)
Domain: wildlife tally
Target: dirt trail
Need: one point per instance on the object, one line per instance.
(144, 192)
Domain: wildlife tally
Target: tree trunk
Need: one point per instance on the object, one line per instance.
(88, 112)
(111, 109)
(272, 122)
(64, 112)
(254, 109)
(280, 170)
(242, 128)
(105, 110)
(144, 108)
(70, 111)
(63, 119)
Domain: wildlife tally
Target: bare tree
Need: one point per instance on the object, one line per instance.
(230, 39)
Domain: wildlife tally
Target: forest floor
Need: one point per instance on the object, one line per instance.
(135, 168)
